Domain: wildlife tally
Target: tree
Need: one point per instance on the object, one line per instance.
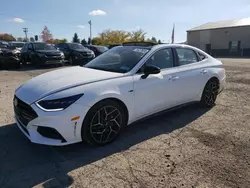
(76, 39)
(32, 39)
(153, 39)
(137, 36)
(19, 39)
(159, 41)
(83, 42)
(46, 35)
(7, 37)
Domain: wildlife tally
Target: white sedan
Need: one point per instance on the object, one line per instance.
(125, 84)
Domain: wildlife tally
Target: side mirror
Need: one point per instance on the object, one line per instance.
(150, 69)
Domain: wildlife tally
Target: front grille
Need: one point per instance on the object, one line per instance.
(86, 54)
(24, 113)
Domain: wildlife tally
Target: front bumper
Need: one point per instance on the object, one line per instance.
(51, 60)
(222, 84)
(68, 131)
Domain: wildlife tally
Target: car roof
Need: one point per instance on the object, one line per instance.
(16, 42)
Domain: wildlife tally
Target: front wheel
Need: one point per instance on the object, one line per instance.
(71, 60)
(103, 123)
(210, 93)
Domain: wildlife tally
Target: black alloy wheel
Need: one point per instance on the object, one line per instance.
(210, 93)
(103, 123)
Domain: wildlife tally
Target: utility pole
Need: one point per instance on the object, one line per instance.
(25, 30)
(90, 31)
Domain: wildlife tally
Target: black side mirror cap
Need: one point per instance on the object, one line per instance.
(150, 69)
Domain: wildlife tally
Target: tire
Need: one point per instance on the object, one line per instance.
(210, 93)
(23, 62)
(17, 65)
(70, 60)
(98, 131)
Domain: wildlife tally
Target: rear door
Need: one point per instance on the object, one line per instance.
(192, 74)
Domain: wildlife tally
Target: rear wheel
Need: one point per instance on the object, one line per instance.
(23, 61)
(210, 93)
(70, 60)
(103, 123)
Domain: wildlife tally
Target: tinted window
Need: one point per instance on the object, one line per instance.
(119, 59)
(76, 46)
(162, 59)
(186, 56)
(16, 44)
(43, 46)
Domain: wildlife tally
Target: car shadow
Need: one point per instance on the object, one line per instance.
(24, 164)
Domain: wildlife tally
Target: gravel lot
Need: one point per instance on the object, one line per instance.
(189, 147)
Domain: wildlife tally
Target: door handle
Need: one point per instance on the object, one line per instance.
(204, 71)
(173, 78)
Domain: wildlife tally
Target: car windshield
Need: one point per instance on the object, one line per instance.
(76, 46)
(119, 59)
(43, 46)
(16, 44)
(3, 46)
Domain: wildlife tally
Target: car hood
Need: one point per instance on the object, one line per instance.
(58, 80)
(83, 50)
(49, 52)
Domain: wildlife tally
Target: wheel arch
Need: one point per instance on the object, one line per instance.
(115, 99)
(213, 77)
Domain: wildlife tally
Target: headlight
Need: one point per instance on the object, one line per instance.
(62, 54)
(58, 104)
(92, 53)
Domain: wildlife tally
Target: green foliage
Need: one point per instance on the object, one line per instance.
(76, 39)
(32, 39)
(83, 42)
(7, 37)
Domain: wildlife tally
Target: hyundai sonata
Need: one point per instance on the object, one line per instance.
(125, 84)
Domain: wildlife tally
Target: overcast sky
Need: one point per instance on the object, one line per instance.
(65, 17)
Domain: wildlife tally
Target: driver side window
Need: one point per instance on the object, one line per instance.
(162, 59)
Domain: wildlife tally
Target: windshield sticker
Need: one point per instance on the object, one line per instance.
(141, 50)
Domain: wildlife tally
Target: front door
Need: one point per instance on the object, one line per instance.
(157, 91)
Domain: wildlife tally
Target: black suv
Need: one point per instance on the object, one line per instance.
(40, 53)
(9, 58)
(98, 50)
(75, 53)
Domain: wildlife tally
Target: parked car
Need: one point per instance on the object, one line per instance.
(16, 45)
(125, 84)
(9, 58)
(76, 54)
(39, 53)
(98, 50)
(113, 45)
